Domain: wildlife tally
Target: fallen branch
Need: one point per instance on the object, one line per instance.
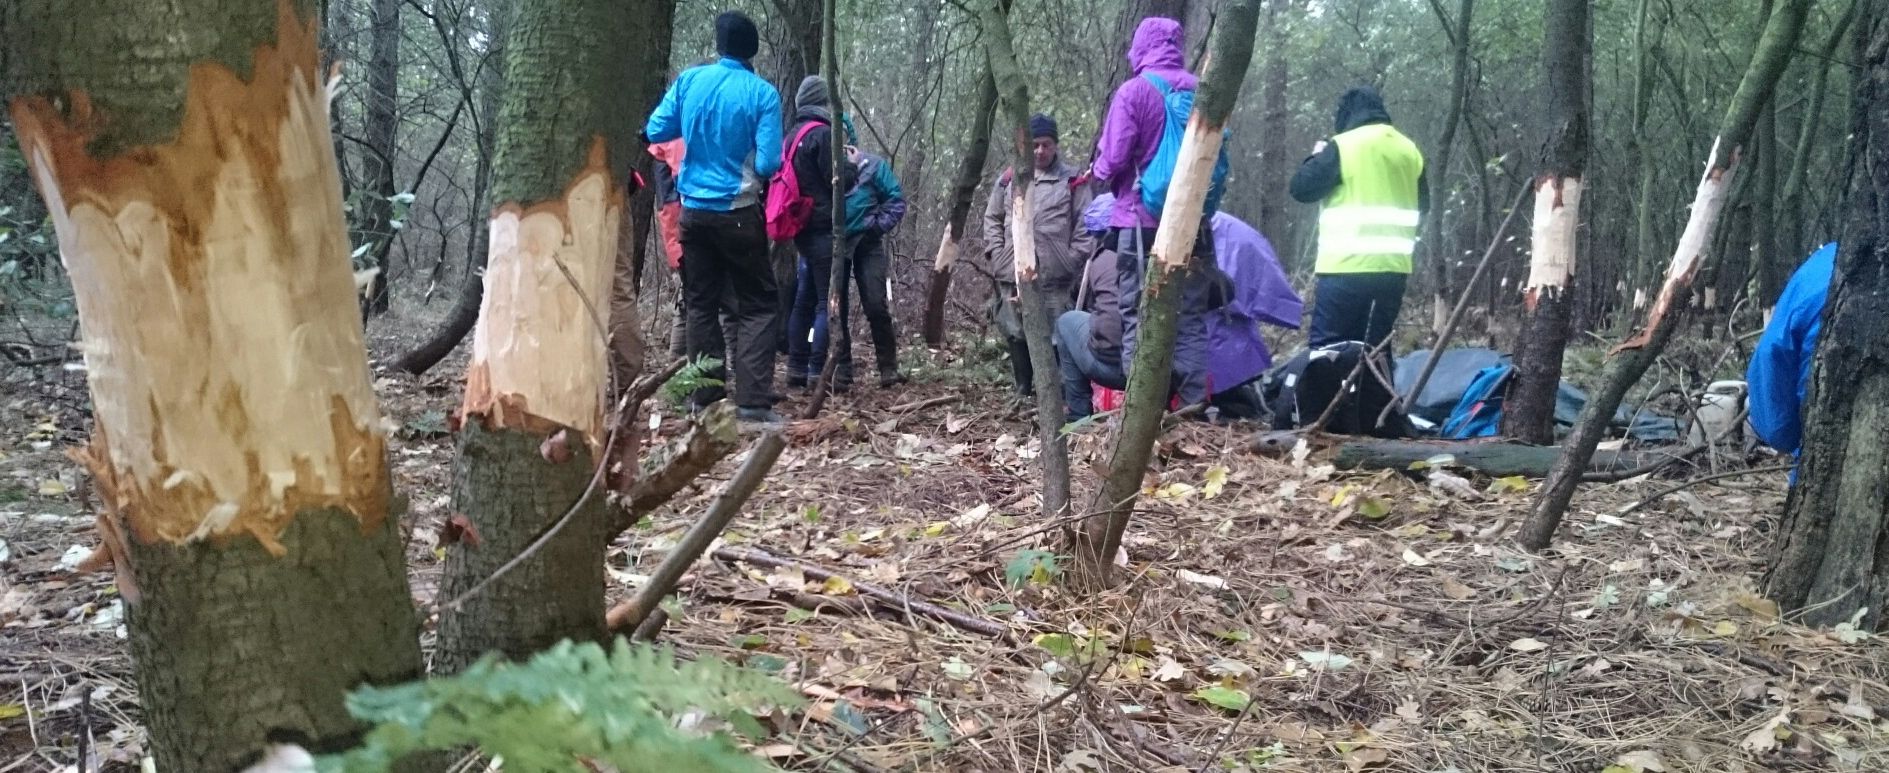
(630, 614)
(1676, 488)
(1493, 458)
(890, 599)
(923, 404)
(665, 474)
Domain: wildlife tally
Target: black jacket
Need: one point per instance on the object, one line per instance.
(813, 168)
(1320, 173)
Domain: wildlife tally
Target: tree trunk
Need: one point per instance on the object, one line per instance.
(379, 127)
(1831, 558)
(532, 424)
(183, 151)
(1231, 50)
(1275, 156)
(1791, 222)
(1439, 258)
(841, 273)
(1640, 272)
(963, 190)
(465, 310)
(1567, 43)
(1633, 356)
(1047, 377)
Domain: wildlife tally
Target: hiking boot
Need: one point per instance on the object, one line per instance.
(759, 416)
(891, 377)
(796, 381)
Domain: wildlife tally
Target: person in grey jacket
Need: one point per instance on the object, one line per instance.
(1058, 195)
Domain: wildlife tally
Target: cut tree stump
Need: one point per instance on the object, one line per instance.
(1496, 459)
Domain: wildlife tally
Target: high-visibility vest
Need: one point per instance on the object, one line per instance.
(1369, 223)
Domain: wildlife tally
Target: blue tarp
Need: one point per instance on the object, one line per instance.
(1458, 368)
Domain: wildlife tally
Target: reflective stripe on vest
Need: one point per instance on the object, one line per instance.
(1369, 223)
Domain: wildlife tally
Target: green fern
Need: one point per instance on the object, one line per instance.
(572, 702)
(693, 376)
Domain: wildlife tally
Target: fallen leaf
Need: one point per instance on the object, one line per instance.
(1630, 565)
(836, 585)
(1456, 590)
(1409, 710)
(52, 487)
(1642, 761)
(1224, 697)
(936, 528)
(11, 710)
(1216, 481)
(1373, 508)
(1508, 484)
(1765, 738)
(1763, 608)
(1527, 645)
(1208, 580)
(1725, 628)
(1174, 492)
(1081, 761)
(957, 669)
(1325, 659)
(1365, 756)
(1413, 558)
(1857, 707)
(1169, 670)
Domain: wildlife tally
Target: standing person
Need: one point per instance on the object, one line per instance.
(812, 158)
(730, 122)
(1131, 133)
(668, 157)
(1371, 180)
(874, 206)
(1058, 195)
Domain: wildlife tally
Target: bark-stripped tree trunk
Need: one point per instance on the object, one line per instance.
(465, 311)
(1632, 357)
(1229, 53)
(1439, 258)
(963, 190)
(1014, 94)
(1791, 222)
(183, 151)
(1567, 43)
(1832, 554)
(532, 423)
(379, 129)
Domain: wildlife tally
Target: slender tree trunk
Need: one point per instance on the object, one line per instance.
(1567, 43)
(380, 126)
(1442, 297)
(963, 190)
(1831, 558)
(1230, 51)
(1633, 356)
(1014, 92)
(533, 417)
(183, 151)
(1275, 156)
(465, 311)
(1640, 271)
(842, 269)
(1769, 265)
(1791, 222)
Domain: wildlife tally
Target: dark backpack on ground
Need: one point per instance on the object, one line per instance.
(1299, 391)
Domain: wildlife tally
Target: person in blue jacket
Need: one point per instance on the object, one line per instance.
(729, 119)
(1779, 374)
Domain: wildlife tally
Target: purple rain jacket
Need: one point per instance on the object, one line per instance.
(1261, 294)
(1137, 116)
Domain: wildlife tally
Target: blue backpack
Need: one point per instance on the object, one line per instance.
(1479, 412)
(1159, 172)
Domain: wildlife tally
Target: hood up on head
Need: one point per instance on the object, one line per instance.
(1359, 106)
(813, 100)
(1157, 45)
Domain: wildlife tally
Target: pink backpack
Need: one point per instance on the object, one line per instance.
(788, 210)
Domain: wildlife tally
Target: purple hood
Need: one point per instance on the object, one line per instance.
(1137, 115)
(1261, 294)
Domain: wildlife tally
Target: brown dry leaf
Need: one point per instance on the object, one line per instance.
(1759, 606)
(1365, 756)
(1765, 738)
(1456, 590)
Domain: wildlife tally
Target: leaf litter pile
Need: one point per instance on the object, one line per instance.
(1275, 614)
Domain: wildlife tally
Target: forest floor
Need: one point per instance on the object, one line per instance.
(1275, 614)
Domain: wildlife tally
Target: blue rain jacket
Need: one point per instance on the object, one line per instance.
(729, 120)
(1779, 375)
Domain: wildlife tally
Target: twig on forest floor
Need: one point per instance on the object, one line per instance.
(631, 613)
(923, 404)
(1682, 486)
(892, 599)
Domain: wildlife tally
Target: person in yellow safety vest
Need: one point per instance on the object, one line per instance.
(1370, 178)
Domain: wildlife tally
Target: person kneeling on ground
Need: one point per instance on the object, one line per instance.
(1231, 354)
(1779, 374)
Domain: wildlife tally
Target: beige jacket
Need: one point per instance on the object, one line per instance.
(1058, 198)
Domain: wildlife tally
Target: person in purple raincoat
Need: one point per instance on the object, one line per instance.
(1131, 133)
(1230, 354)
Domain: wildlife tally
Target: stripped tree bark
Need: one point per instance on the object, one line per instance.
(1014, 93)
(1548, 296)
(1831, 558)
(1632, 357)
(532, 422)
(1229, 53)
(963, 189)
(183, 151)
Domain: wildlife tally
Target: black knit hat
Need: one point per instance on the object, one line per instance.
(1043, 126)
(736, 36)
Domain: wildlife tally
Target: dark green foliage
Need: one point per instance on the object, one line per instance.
(572, 702)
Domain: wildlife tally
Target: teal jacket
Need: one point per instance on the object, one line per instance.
(876, 203)
(729, 120)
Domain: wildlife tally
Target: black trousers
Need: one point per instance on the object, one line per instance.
(1356, 307)
(725, 263)
(870, 267)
